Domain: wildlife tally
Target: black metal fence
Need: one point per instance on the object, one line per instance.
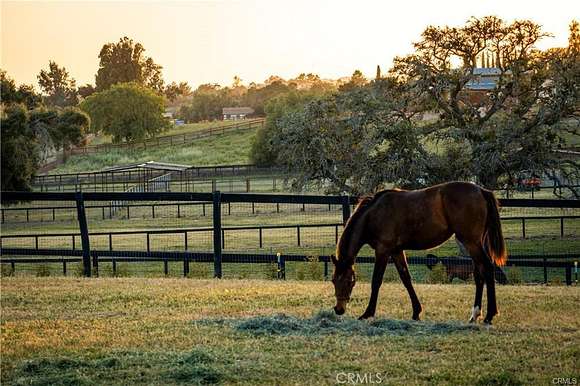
(225, 178)
(239, 178)
(237, 235)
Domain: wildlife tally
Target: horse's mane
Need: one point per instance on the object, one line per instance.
(364, 203)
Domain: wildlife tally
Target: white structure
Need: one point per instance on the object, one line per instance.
(234, 113)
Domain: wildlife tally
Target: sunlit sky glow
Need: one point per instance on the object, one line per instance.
(212, 41)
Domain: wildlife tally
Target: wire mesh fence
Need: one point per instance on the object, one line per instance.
(253, 236)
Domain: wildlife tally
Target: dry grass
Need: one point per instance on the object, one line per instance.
(168, 331)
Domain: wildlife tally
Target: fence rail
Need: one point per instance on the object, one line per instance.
(167, 140)
(218, 205)
(171, 140)
(232, 178)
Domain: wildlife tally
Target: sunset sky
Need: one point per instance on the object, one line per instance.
(211, 41)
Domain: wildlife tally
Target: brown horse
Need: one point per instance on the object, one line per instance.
(392, 221)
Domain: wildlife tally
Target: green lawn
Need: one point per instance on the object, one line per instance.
(122, 331)
(221, 149)
(172, 130)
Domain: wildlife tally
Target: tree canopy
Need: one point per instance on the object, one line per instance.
(516, 125)
(126, 111)
(28, 135)
(173, 90)
(125, 61)
(24, 93)
(58, 86)
(429, 119)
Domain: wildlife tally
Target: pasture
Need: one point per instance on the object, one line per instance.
(219, 149)
(102, 138)
(184, 331)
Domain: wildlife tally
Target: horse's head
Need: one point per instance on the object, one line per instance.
(343, 280)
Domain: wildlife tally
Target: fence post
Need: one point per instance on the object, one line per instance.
(84, 234)
(281, 266)
(186, 266)
(95, 263)
(545, 270)
(298, 234)
(345, 209)
(217, 235)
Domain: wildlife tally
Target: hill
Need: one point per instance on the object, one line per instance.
(219, 149)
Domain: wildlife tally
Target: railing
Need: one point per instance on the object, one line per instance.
(172, 140)
(81, 247)
(106, 181)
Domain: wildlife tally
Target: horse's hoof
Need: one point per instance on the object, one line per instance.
(472, 320)
(365, 316)
(487, 322)
(417, 318)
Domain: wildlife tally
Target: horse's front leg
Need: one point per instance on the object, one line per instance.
(403, 268)
(381, 259)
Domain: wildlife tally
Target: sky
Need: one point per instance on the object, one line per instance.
(213, 41)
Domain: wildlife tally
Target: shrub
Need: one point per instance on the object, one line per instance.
(78, 269)
(514, 275)
(6, 270)
(312, 269)
(199, 271)
(438, 274)
(272, 270)
(106, 270)
(42, 270)
(457, 280)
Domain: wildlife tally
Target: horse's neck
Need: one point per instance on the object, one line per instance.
(350, 246)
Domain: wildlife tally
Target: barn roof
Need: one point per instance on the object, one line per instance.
(237, 110)
(149, 165)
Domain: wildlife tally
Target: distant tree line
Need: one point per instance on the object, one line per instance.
(208, 100)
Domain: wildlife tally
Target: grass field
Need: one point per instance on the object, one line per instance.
(221, 149)
(184, 331)
(173, 130)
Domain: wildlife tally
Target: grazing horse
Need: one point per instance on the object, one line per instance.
(392, 221)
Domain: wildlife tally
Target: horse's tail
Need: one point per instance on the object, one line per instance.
(493, 236)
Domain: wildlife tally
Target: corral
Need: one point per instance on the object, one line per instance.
(245, 235)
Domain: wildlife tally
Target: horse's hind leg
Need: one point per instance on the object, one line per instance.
(483, 272)
(478, 278)
(401, 263)
(381, 260)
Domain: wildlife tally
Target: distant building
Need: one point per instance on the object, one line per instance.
(233, 113)
(485, 79)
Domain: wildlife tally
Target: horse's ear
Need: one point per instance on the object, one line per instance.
(334, 260)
